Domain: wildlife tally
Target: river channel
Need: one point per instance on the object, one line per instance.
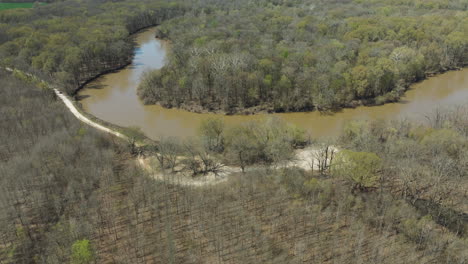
(113, 98)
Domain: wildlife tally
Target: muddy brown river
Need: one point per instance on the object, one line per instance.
(113, 98)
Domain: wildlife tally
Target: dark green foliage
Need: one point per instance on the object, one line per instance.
(11, 5)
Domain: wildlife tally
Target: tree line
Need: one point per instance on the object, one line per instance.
(282, 56)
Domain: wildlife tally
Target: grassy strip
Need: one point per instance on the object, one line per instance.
(5, 6)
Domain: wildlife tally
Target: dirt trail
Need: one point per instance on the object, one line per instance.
(69, 104)
(305, 159)
(149, 164)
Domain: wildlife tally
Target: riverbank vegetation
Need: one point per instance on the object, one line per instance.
(70, 194)
(244, 56)
(269, 143)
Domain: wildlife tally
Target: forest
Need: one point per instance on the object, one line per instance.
(69, 43)
(282, 56)
(382, 192)
(243, 56)
(395, 193)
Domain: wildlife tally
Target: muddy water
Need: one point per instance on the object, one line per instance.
(113, 98)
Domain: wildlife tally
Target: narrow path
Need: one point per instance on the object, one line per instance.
(69, 104)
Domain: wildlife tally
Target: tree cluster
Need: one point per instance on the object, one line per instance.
(249, 56)
(269, 143)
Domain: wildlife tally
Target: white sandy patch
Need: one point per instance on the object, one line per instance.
(308, 158)
(185, 178)
(304, 158)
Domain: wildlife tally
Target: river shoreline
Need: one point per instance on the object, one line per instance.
(269, 108)
(258, 109)
(114, 99)
(113, 69)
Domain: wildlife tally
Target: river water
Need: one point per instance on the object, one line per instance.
(113, 98)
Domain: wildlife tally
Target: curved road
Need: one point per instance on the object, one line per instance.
(69, 104)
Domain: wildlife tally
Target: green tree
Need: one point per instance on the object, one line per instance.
(82, 252)
(211, 131)
(360, 168)
(242, 147)
(271, 142)
(457, 43)
(359, 80)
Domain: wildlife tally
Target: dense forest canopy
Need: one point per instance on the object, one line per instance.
(304, 55)
(70, 42)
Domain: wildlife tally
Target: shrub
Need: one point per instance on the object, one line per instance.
(82, 252)
(360, 168)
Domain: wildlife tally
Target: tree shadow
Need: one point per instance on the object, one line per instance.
(81, 97)
(330, 112)
(402, 102)
(96, 85)
(455, 221)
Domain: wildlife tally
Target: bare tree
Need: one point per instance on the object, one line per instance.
(323, 156)
(168, 152)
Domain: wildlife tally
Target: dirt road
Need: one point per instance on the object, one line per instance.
(69, 104)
